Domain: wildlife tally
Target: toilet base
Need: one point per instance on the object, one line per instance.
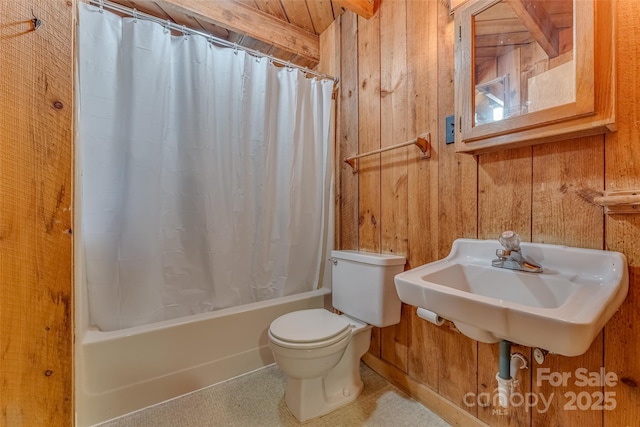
(310, 398)
(304, 402)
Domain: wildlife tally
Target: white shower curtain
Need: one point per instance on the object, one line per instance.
(205, 173)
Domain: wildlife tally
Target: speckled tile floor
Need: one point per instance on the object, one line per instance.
(257, 399)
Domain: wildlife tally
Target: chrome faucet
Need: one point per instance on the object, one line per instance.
(511, 257)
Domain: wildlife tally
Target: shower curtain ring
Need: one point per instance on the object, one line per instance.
(184, 32)
(101, 6)
(167, 27)
(135, 15)
(235, 48)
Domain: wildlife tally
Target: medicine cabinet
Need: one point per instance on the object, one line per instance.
(532, 71)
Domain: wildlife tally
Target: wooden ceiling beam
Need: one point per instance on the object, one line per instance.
(364, 8)
(534, 16)
(240, 18)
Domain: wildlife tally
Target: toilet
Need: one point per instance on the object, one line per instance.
(320, 351)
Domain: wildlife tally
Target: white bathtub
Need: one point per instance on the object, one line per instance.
(122, 371)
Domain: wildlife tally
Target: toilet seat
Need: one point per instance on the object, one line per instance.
(308, 329)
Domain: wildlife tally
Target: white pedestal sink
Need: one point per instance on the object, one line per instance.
(560, 310)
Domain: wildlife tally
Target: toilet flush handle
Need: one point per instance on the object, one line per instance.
(334, 261)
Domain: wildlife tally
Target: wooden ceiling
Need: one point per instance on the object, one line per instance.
(286, 29)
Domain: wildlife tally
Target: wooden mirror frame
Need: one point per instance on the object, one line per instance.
(592, 113)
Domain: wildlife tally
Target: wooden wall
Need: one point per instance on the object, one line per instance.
(36, 110)
(397, 82)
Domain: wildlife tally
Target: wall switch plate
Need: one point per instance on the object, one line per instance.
(450, 128)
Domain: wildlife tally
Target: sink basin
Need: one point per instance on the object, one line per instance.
(560, 310)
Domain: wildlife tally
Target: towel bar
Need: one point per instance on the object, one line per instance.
(423, 142)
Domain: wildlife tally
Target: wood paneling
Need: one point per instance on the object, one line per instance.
(298, 13)
(368, 55)
(422, 174)
(422, 177)
(368, 195)
(347, 191)
(272, 7)
(394, 108)
(394, 113)
(36, 104)
(321, 12)
(532, 190)
(622, 232)
(504, 193)
(330, 65)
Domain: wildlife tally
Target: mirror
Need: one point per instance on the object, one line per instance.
(523, 58)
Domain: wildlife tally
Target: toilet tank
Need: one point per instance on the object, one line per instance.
(363, 288)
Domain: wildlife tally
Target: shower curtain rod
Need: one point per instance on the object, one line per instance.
(106, 4)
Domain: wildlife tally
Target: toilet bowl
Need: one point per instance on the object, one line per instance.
(322, 374)
(320, 351)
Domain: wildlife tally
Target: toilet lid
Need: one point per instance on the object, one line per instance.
(307, 326)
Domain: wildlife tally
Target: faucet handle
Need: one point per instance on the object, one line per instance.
(510, 240)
